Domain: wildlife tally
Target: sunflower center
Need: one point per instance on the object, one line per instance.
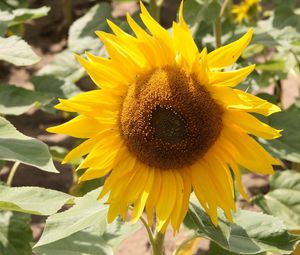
(168, 120)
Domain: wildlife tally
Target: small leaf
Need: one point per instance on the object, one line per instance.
(86, 212)
(85, 242)
(14, 146)
(16, 51)
(64, 67)
(288, 145)
(86, 221)
(283, 199)
(32, 200)
(15, 100)
(82, 35)
(22, 14)
(251, 233)
(15, 234)
(95, 240)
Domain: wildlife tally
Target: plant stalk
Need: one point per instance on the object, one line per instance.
(12, 173)
(158, 247)
(155, 6)
(68, 17)
(218, 25)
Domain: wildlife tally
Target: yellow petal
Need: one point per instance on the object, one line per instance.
(85, 147)
(93, 173)
(228, 54)
(166, 201)
(80, 127)
(251, 125)
(248, 152)
(154, 195)
(231, 78)
(185, 46)
(140, 204)
(256, 104)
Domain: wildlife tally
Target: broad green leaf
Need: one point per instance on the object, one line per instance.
(63, 67)
(21, 15)
(84, 242)
(14, 146)
(95, 240)
(82, 35)
(288, 146)
(285, 16)
(32, 200)
(5, 18)
(16, 51)
(251, 233)
(54, 88)
(113, 234)
(15, 234)
(215, 249)
(196, 11)
(86, 212)
(13, 4)
(272, 65)
(283, 199)
(15, 100)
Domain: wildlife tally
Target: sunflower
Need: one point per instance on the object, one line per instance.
(244, 10)
(167, 121)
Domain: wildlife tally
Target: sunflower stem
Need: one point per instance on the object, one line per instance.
(149, 231)
(158, 246)
(218, 25)
(155, 9)
(68, 12)
(12, 173)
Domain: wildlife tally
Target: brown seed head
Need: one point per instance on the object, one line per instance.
(168, 120)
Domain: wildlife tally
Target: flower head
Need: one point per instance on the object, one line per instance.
(167, 120)
(245, 9)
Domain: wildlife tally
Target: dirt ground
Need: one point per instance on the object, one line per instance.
(48, 36)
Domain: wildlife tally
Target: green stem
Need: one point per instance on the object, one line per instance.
(218, 32)
(12, 173)
(158, 247)
(68, 12)
(150, 234)
(218, 25)
(278, 92)
(155, 6)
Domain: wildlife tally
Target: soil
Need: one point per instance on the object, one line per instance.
(48, 36)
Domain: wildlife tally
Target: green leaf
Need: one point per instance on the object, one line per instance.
(54, 88)
(84, 229)
(283, 199)
(64, 67)
(15, 234)
(82, 35)
(85, 242)
(15, 146)
(16, 51)
(5, 18)
(251, 233)
(196, 11)
(288, 145)
(86, 212)
(32, 200)
(22, 14)
(94, 240)
(272, 65)
(15, 100)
